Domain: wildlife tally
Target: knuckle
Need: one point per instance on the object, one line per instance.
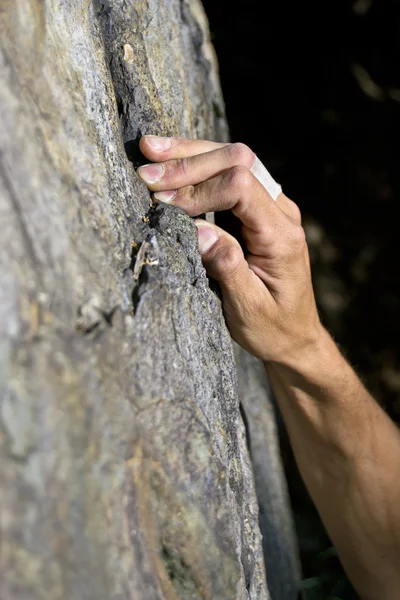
(241, 154)
(296, 239)
(240, 178)
(181, 167)
(189, 192)
(295, 212)
(186, 193)
(228, 258)
(190, 199)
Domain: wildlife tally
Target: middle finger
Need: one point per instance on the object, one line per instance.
(235, 189)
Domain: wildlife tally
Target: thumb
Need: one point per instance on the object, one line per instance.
(223, 258)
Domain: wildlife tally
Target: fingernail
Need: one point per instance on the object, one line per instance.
(207, 236)
(151, 173)
(158, 143)
(166, 197)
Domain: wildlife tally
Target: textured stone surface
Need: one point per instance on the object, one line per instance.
(276, 523)
(123, 459)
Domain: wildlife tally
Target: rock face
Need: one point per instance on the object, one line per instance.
(276, 523)
(123, 459)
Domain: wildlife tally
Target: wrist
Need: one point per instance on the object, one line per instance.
(300, 352)
(311, 363)
(319, 378)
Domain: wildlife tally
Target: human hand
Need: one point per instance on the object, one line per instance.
(268, 299)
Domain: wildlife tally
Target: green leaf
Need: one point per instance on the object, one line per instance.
(327, 553)
(311, 583)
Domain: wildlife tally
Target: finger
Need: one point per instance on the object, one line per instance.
(235, 189)
(288, 249)
(158, 148)
(264, 176)
(177, 173)
(289, 207)
(224, 261)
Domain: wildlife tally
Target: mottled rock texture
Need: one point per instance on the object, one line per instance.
(124, 467)
(279, 541)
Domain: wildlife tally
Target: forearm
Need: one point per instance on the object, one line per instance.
(348, 452)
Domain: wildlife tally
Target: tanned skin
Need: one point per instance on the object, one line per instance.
(346, 447)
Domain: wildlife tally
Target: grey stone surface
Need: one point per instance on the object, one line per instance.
(276, 523)
(123, 461)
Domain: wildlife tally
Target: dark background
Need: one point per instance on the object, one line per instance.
(314, 89)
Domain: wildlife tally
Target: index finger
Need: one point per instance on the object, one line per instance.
(158, 148)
